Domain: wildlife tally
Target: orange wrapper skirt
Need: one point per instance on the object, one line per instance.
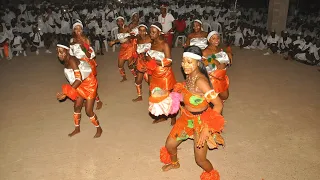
(163, 78)
(87, 89)
(141, 63)
(188, 124)
(127, 50)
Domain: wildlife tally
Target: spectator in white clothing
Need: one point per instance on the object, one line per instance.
(166, 20)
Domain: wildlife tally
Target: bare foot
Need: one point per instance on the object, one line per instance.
(168, 167)
(139, 98)
(173, 121)
(123, 79)
(98, 133)
(75, 131)
(99, 105)
(159, 120)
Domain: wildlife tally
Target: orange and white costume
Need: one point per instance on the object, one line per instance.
(89, 83)
(75, 50)
(161, 76)
(127, 51)
(218, 77)
(141, 63)
(86, 90)
(189, 123)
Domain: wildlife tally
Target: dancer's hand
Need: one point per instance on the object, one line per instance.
(111, 43)
(61, 96)
(204, 135)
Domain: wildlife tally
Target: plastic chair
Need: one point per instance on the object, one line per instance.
(183, 39)
(207, 27)
(1, 52)
(114, 33)
(217, 27)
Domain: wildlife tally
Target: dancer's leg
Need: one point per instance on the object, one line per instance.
(171, 146)
(93, 117)
(138, 83)
(76, 116)
(121, 69)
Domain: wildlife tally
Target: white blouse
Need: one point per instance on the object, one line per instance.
(159, 56)
(141, 48)
(200, 42)
(123, 37)
(85, 70)
(75, 50)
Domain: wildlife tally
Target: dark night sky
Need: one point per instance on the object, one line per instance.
(304, 4)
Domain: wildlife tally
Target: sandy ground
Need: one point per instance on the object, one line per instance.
(272, 130)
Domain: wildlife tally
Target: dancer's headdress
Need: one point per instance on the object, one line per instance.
(211, 34)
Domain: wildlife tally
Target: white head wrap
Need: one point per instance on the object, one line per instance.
(192, 55)
(119, 17)
(155, 26)
(134, 13)
(211, 34)
(197, 20)
(78, 23)
(142, 25)
(62, 46)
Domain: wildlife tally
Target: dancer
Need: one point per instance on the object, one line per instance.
(160, 66)
(127, 48)
(217, 67)
(133, 26)
(81, 49)
(198, 121)
(83, 86)
(143, 45)
(198, 37)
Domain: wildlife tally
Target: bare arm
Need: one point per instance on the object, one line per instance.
(188, 41)
(77, 74)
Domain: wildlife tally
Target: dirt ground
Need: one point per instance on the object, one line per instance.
(272, 129)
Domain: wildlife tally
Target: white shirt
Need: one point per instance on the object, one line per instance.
(272, 40)
(17, 40)
(284, 44)
(314, 50)
(109, 25)
(26, 29)
(166, 22)
(3, 37)
(37, 37)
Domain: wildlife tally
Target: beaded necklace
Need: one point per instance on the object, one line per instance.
(191, 82)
